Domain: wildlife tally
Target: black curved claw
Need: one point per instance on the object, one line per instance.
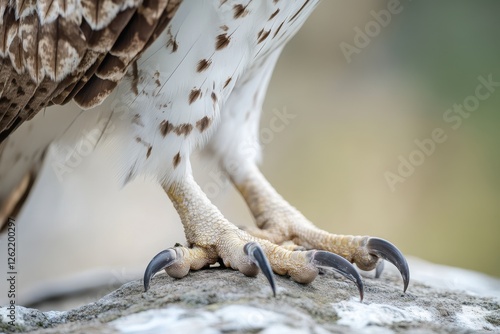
(257, 255)
(389, 252)
(161, 260)
(333, 261)
(379, 269)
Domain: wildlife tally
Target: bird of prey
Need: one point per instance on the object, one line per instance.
(174, 76)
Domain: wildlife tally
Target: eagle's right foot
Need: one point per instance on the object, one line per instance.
(280, 223)
(212, 238)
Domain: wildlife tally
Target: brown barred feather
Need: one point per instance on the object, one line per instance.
(94, 92)
(127, 48)
(24, 8)
(99, 43)
(73, 89)
(29, 32)
(53, 51)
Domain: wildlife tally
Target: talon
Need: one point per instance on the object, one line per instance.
(257, 256)
(161, 260)
(379, 269)
(387, 251)
(327, 260)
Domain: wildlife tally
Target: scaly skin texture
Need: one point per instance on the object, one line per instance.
(279, 222)
(211, 236)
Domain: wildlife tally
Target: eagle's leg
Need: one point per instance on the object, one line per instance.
(279, 222)
(212, 238)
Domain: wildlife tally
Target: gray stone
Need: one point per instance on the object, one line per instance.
(225, 301)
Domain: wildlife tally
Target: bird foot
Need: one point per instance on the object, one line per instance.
(213, 238)
(281, 223)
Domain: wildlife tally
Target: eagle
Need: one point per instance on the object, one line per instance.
(174, 77)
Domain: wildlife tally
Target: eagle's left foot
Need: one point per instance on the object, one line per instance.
(281, 223)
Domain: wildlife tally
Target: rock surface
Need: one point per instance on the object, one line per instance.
(225, 301)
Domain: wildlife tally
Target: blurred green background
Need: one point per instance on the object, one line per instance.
(353, 120)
